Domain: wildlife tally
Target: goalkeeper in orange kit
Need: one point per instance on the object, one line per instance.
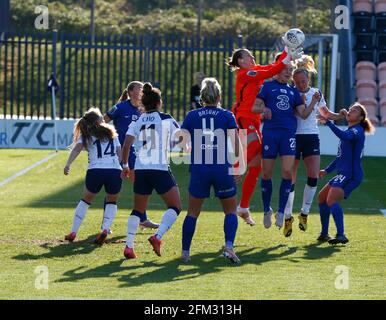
(249, 79)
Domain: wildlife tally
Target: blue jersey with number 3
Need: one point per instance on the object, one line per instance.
(282, 99)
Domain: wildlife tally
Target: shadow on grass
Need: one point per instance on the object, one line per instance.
(136, 273)
(65, 248)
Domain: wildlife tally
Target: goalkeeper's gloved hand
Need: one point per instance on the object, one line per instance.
(296, 53)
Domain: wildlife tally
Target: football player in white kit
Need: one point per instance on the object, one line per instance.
(307, 137)
(104, 169)
(151, 134)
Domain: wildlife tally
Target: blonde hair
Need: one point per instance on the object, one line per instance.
(130, 87)
(91, 124)
(210, 91)
(305, 65)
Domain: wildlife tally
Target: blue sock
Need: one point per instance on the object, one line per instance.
(266, 193)
(285, 189)
(188, 228)
(337, 213)
(324, 211)
(143, 217)
(230, 228)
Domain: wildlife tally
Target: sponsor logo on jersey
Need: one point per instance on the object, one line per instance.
(283, 90)
(252, 73)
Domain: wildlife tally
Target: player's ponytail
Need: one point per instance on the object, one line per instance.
(126, 92)
(305, 65)
(233, 61)
(151, 97)
(210, 92)
(91, 124)
(365, 122)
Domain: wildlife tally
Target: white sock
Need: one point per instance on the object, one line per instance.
(132, 226)
(308, 197)
(80, 213)
(289, 205)
(168, 218)
(109, 215)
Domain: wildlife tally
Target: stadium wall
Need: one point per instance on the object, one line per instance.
(39, 134)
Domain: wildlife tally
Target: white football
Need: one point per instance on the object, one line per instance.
(294, 38)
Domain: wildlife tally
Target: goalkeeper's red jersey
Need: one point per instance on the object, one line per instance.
(248, 84)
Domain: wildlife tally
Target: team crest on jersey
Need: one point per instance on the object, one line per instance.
(134, 117)
(354, 130)
(283, 90)
(266, 147)
(252, 73)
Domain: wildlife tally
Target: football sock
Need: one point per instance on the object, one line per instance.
(290, 203)
(337, 213)
(109, 215)
(249, 185)
(168, 218)
(308, 195)
(285, 189)
(80, 213)
(266, 193)
(324, 211)
(132, 226)
(188, 228)
(230, 228)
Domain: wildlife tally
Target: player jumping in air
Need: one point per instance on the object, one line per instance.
(249, 79)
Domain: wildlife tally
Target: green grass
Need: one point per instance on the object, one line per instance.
(36, 211)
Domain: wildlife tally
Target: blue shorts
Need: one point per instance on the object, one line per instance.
(200, 183)
(347, 184)
(148, 180)
(109, 178)
(307, 145)
(278, 141)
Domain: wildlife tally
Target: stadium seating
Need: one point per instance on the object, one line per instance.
(363, 23)
(371, 106)
(383, 112)
(365, 41)
(363, 6)
(366, 89)
(382, 90)
(382, 72)
(380, 6)
(366, 70)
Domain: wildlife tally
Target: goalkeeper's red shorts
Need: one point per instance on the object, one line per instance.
(251, 127)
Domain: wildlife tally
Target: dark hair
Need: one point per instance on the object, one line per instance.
(150, 97)
(130, 87)
(365, 122)
(233, 61)
(91, 124)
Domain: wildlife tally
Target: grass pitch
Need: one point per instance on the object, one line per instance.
(36, 211)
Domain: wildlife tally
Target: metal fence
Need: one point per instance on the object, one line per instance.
(96, 73)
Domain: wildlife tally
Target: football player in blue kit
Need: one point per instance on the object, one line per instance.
(348, 167)
(104, 169)
(208, 129)
(279, 102)
(152, 135)
(122, 114)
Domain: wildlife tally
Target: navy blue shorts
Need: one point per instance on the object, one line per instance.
(200, 184)
(307, 145)
(347, 184)
(278, 142)
(110, 178)
(148, 180)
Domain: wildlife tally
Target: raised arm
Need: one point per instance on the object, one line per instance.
(341, 134)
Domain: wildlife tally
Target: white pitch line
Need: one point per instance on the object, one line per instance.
(21, 172)
(383, 212)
